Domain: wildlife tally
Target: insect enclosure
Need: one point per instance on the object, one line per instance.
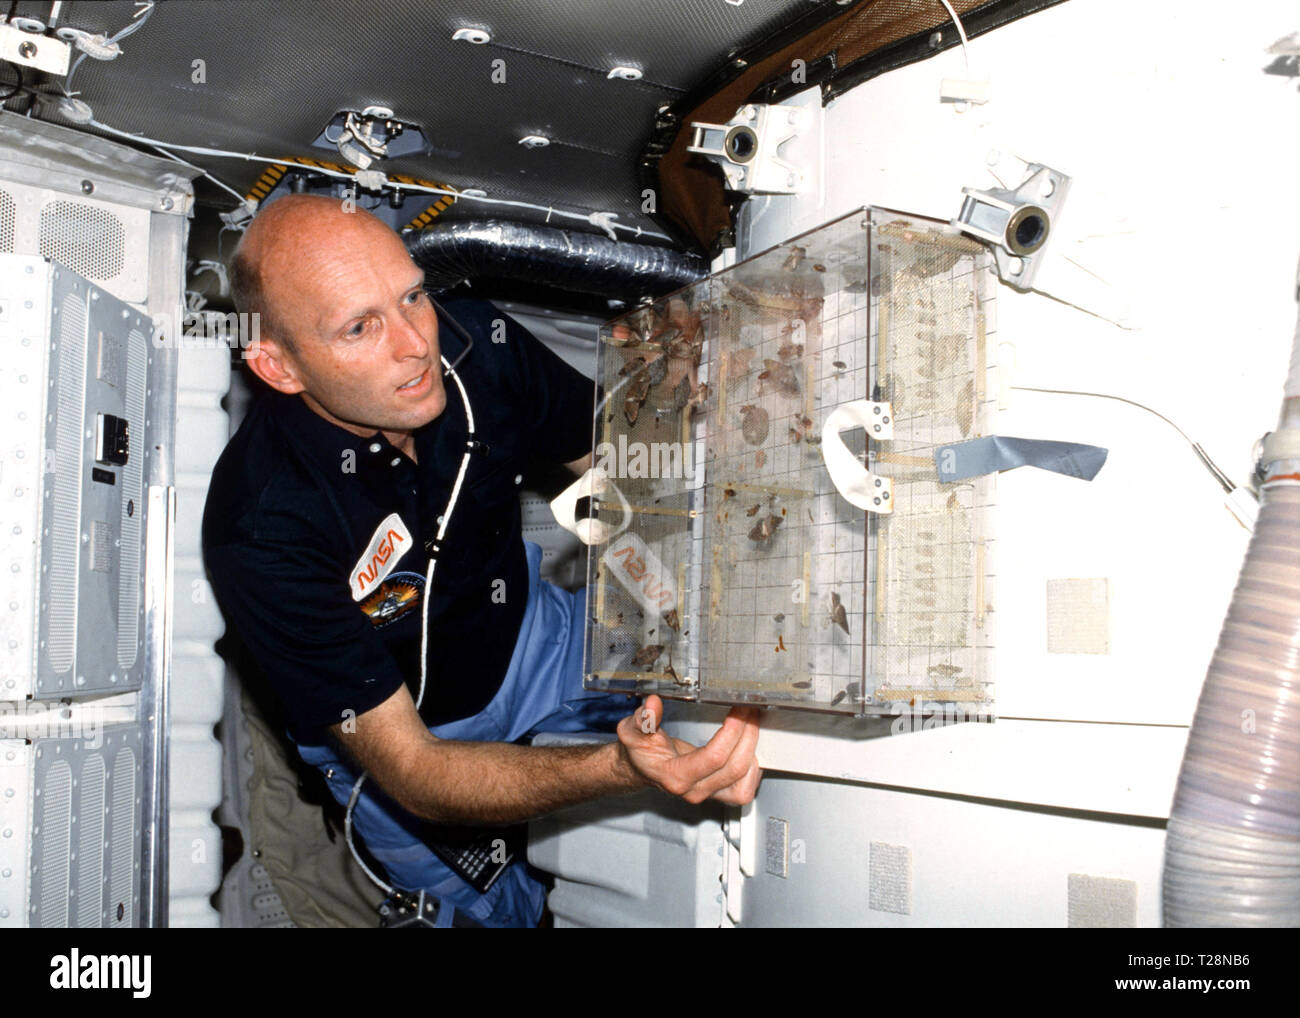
(766, 522)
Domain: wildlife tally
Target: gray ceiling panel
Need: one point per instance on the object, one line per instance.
(671, 42)
(277, 72)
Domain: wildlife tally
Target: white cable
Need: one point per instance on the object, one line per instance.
(605, 220)
(100, 48)
(469, 196)
(75, 110)
(448, 370)
(200, 150)
(1216, 472)
(961, 32)
(442, 528)
(347, 836)
(218, 270)
(97, 47)
(225, 187)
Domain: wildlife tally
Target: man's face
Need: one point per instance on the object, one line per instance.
(365, 334)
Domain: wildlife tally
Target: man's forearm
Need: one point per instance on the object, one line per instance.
(500, 783)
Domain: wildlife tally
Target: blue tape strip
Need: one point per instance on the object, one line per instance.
(988, 455)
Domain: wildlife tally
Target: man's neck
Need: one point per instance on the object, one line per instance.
(402, 441)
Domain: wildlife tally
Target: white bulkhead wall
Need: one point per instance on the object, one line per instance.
(198, 672)
(1184, 213)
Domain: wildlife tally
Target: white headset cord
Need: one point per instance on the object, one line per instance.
(449, 371)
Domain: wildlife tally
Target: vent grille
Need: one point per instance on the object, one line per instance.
(128, 600)
(87, 240)
(90, 844)
(56, 845)
(67, 484)
(8, 218)
(121, 866)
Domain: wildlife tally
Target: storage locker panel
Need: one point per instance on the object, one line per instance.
(80, 460)
(84, 848)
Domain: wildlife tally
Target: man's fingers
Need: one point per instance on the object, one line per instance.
(650, 715)
(714, 754)
(744, 790)
(719, 763)
(723, 768)
(734, 767)
(644, 720)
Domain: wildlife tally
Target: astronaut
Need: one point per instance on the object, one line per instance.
(362, 533)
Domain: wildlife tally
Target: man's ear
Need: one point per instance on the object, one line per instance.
(270, 362)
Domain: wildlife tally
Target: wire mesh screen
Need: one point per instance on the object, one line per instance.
(931, 574)
(725, 565)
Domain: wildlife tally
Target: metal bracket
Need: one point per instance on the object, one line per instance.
(240, 216)
(747, 147)
(419, 909)
(42, 52)
(1017, 223)
(363, 137)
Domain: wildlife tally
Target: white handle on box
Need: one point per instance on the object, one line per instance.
(593, 483)
(856, 483)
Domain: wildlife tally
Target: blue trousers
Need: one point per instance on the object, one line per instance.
(542, 692)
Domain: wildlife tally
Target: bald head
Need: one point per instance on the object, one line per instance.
(294, 233)
(345, 320)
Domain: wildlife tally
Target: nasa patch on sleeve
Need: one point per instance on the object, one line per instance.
(390, 542)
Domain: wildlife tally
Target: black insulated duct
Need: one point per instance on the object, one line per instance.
(563, 259)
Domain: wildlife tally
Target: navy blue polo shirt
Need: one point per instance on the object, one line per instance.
(317, 540)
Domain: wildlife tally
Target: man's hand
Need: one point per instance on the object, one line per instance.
(498, 783)
(580, 466)
(724, 768)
